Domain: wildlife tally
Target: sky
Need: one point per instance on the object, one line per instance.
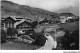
(50, 5)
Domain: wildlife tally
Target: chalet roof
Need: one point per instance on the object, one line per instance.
(43, 21)
(9, 18)
(3, 18)
(17, 23)
(15, 17)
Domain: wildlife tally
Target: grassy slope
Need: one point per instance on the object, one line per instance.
(70, 26)
(23, 46)
(17, 46)
(9, 8)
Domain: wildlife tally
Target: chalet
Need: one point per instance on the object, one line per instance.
(7, 22)
(54, 20)
(40, 19)
(66, 17)
(22, 24)
(45, 21)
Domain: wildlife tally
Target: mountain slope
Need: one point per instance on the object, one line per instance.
(9, 8)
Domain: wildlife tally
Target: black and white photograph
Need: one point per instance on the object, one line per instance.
(39, 25)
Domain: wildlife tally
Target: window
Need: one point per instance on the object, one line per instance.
(12, 24)
(6, 25)
(2, 24)
(9, 25)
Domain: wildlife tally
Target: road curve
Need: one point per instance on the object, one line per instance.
(50, 43)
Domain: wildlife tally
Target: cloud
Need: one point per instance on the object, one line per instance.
(50, 5)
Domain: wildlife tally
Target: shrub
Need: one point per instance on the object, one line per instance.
(29, 31)
(70, 41)
(40, 39)
(3, 36)
(11, 32)
(33, 35)
(65, 41)
(34, 24)
(19, 35)
(75, 38)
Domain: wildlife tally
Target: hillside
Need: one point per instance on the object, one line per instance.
(9, 8)
(73, 10)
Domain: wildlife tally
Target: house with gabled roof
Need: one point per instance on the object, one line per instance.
(7, 22)
(11, 21)
(23, 26)
(66, 16)
(45, 21)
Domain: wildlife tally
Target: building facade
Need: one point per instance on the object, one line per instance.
(64, 17)
(21, 24)
(8, 22)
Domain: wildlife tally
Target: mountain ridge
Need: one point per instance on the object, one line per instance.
(13, 9)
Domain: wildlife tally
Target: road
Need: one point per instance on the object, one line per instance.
(50, 43)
